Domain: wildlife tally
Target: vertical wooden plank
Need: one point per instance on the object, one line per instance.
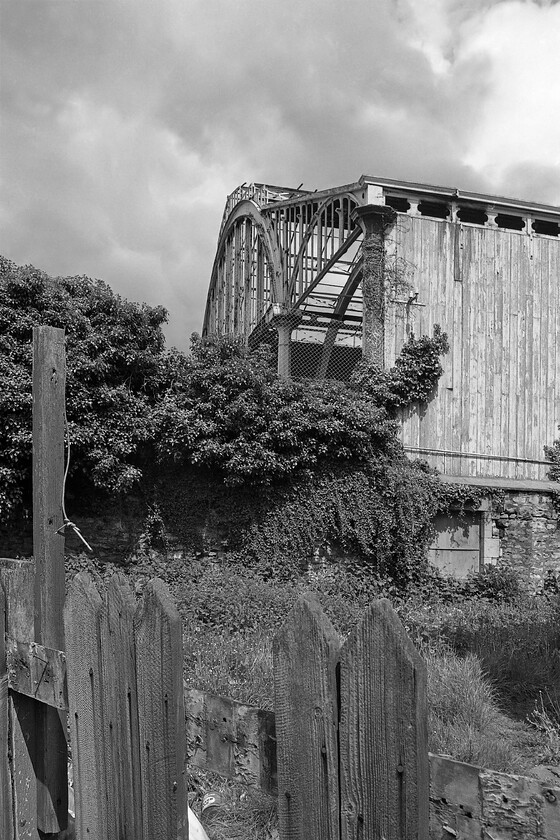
(49, 376)
(384, 771)
(82, 619)
(305, 652)
(6, 802)
(121, 720)
(18, 578)
(161, 714)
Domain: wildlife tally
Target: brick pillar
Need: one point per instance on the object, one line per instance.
(375, 220)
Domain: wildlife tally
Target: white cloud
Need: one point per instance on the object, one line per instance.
(519, 120)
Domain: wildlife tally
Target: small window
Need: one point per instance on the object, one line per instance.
(398, 203)
(504, 220)
(548, 228)
(433, 208)
(472, 215)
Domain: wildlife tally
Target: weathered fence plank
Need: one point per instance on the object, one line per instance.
(82, 618)
(159, 674)
(384, 771)
(18, 580)
(49, 376)
(305, 653)
(6, 804)
(245, 746)
(121, 724)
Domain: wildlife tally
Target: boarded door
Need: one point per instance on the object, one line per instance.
(456, 548)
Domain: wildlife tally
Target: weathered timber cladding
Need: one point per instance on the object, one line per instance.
(305, 652)
(495, 293)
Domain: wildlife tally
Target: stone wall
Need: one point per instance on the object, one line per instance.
(528, 526)
(522, 529)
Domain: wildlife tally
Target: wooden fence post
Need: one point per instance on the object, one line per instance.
(161, 713)
(49, 377)
(384, 769)
(18, 578)
(83, 616)
(305, 653)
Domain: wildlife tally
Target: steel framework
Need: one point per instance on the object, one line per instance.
(288, 268)
(311, 271)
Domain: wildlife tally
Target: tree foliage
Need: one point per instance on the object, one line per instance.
(116, 368)
(134, 408)
(230, 412)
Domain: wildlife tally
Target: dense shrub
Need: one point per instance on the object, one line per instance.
(116, 366)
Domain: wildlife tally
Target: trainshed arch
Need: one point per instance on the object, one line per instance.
(287, 264)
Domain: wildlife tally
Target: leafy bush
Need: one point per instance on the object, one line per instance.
(413, 377)
(116, 365)
(232, 414)
(134, 409)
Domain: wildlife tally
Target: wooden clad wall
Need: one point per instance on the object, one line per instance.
(495, 292)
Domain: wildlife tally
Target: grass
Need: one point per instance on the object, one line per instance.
(465, 721)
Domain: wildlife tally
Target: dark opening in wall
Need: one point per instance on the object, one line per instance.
(548, 228)
(398, 203)
(433, 208)
(504, 220)
(472, 215)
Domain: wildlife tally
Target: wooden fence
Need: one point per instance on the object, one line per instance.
(466, 802)
(351, 727)
(120, 681)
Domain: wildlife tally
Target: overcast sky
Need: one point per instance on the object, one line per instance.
(124, 125)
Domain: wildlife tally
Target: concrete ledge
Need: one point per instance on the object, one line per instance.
(511, 484)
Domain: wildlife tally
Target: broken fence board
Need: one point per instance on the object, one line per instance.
(82, 618)
(18, 580)
(243, 746)
(384, 771)
(121, 722)
(161, 714)
(305, 653)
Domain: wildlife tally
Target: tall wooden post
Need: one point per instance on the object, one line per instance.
(375, 219)
(49, 379)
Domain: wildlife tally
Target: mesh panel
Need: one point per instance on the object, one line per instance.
(322, 352)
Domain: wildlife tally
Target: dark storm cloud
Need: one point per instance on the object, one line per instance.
(125, 125)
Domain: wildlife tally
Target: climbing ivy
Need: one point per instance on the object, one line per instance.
(413, 378)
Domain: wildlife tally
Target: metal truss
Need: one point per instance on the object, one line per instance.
(293, 255)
